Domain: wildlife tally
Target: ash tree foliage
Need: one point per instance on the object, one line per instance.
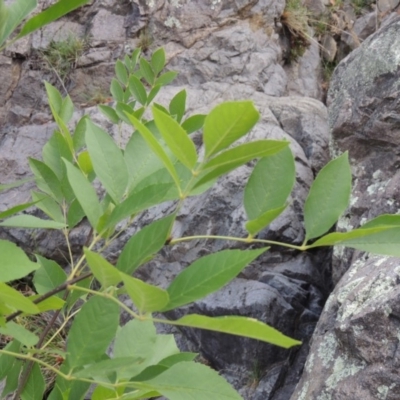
(71, 352)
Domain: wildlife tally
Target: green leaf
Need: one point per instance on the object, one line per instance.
(227, 123)
(146, 70)
(75, 214)
(12, 379)
(194, 123)
(103, 271)
(29, 221)
(85, 165)
(4, 13)
(140, 394)
(158, 60)
(176, 138)
(54, 151)
(177, 358)
(148, 241)
(121, 72)
(75, 295)
(241, 326)
(328, 197)
(103, 368)
(139, 339)
(270, 184)
(256, 225)
(103, 393)
(14, 262)
(166, 78)
(161, 108)
(85, 194)
(51, 303)
(67, 109)
(138, 90)
(177, 106)
(110, 113)
(35, 386)
(116, 90)
(156, 147)
(92, 331)
(48, 206)
(54, 97)
(207, 275)
(153, 93)
(79, 135)
(379, 240)
(386, 220)
(147, 298)
(122, 109)
(237, 156)
(68, 390)
(12, 16)
(18, 332)
(138, 201)
(48, 276)
(188, 380)
(7, 361)
(135, 57)
(57, 10)
(12, 185)
(46, 179)
(128, 64)
(140, 159)
(108, 161)
(16, 300)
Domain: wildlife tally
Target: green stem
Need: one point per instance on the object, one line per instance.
(238, 239)
(52, 292)
(110, 297)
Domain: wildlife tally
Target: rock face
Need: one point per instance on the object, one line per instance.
(354, 348)
(231, 50)
(223, 51)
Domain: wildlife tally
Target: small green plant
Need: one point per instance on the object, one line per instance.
(145, 39)
(360, 6)
(62, 56)
(159, 163)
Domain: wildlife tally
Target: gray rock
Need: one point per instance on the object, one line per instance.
(354, 347)
(363, 115)
(353, 352)
(303, 75)
(329, 48)
(387, 5)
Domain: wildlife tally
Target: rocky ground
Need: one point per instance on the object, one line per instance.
(281, 56)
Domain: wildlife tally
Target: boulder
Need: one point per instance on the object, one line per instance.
(353, 352)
